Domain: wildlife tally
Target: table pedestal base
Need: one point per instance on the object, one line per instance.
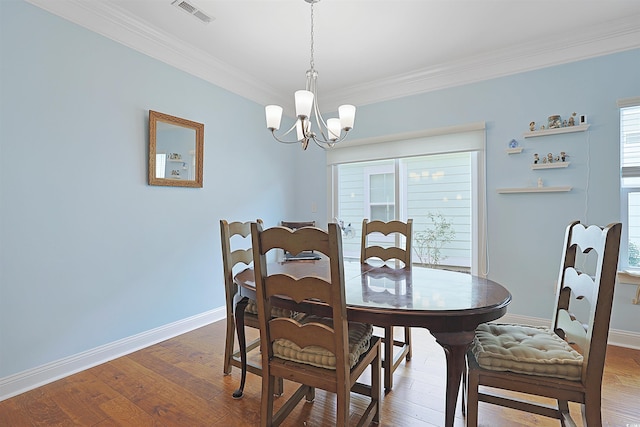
(455, 345)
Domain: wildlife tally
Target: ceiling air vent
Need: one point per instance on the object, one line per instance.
(192, 10)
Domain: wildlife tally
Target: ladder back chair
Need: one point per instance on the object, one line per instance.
(294, 225)
(236, 251)
(565, 362)
(370, 249)
(316, 352)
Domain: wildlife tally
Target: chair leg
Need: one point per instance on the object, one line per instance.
(376, 395)
(464, 389)
(278, 388)
(229, 342)
(266, 401)
(591, 411)
(472, 398)
(387, 361)
(407, 341)
(311, 394)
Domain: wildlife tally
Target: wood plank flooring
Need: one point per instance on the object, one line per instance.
(179, 382)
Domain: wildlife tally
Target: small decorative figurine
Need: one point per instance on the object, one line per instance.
(554, 122)
(550, 158)
(532, 126)
(536, 159)
(563, 156)
(542, 127)
(513, 143)
(572, 120)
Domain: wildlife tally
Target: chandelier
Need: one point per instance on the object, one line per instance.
(328, 132)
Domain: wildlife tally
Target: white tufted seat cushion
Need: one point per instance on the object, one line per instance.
(526, 350)
(252, 308)
(359, 342)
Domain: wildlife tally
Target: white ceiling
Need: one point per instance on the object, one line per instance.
(365, 50)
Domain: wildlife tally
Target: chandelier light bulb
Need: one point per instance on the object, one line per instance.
(347, 114)
(333, 128)
(274, 116)
(304, 102)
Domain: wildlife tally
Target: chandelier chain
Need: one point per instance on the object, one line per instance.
(311, 62)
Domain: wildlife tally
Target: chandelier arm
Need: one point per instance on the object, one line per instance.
(273, 132)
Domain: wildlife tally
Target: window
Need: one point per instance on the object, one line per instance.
(439, 174)
(630, 182)
(380, 196)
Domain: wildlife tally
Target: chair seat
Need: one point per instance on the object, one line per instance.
(359, 342)
(526, 350)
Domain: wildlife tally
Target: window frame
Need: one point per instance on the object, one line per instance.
(626, 189)
(463, 138)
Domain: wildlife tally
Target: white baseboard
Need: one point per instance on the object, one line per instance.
(616, 336)
(32, 378)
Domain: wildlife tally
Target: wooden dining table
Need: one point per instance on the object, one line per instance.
(449, 304)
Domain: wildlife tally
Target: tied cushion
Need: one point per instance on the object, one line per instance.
(525, 350)
(252, 308)
(359, 342)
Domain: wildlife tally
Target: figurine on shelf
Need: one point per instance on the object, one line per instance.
(536, 159)
(542, 127)
(532, 126)
(513, 144)
(550, 158)
(554, 122)
(563, 156)
(572, 120)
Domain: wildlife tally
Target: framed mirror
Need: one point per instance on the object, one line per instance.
(176, 151)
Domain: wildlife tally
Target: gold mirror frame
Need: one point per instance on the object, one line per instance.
(181, 151)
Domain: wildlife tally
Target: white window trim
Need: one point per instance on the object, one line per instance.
(624, 191)
(432, 141)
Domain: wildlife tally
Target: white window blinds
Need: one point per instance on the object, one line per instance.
(630, 140)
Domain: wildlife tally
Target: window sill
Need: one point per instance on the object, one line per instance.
(631, 278)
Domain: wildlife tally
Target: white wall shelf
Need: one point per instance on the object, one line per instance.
(534, 190)
(545, 132)
(550, 165)
(516, 150)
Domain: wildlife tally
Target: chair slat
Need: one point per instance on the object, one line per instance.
(303, 335)
(298, 289)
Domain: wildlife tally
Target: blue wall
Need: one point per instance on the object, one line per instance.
(526, 231)
(90, 253)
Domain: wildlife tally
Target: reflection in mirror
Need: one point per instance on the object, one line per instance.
(176, 148)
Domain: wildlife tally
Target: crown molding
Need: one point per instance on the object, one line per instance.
(111, 21)
(604, 39)
(114, 23)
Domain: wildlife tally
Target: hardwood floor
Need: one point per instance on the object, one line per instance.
(179, 382)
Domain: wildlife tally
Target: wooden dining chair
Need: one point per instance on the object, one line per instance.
(236, 251)
(566, 362)
(294, 225)
(316, 352)
(385, 251)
